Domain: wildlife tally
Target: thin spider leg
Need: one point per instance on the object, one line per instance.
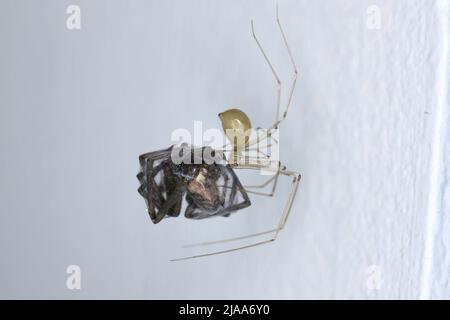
(296, 177)
(251, 149)
(262, 137)
(273, 72)
(265, 155)
(226, 145)
(259, 186)
(287, 209)
(269, 133)
(260, 156)
(258, 193)
(272, 192)
(260, 159)
(259, 152)
(273, 179)
(248, 154)
(272, 137)
(262, 185)
(295, 181)
(263, 158)
(261, 142)
(294, 80)
(222, 252)
(229, 240)
(258, 141)
(270, 166)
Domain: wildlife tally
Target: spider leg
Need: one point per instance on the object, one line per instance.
(262, 153)
(277, 79)
(294, 79)
(264, 184)
(272, 192)
(282, 222)
(158, 205)
(221, 252)
(273, 180)
(258, 149)
(248, 154)
(171, 206)
(277, 120)
(255, 144)
(295, 176)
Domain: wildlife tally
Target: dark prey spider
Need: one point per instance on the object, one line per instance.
(212, 188)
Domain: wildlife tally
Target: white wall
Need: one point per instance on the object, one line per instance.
(368, 130)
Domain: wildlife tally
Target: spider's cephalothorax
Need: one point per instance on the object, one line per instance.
(210, 189)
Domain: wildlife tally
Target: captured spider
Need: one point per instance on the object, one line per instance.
(206, 179)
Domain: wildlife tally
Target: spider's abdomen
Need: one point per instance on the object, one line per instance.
(210, 189)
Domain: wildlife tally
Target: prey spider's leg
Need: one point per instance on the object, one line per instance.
(294, 80)
(171, 204)
(273, 72)
(295, 181)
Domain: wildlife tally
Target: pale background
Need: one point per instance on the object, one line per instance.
(368, 130)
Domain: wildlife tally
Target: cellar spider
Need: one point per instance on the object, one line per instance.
(212, 188)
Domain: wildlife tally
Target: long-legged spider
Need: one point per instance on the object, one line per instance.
(211, 188)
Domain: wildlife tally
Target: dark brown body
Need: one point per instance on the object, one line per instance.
(210, 189)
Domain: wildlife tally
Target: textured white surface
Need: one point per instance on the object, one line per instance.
(366, 130)
(435, 280)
